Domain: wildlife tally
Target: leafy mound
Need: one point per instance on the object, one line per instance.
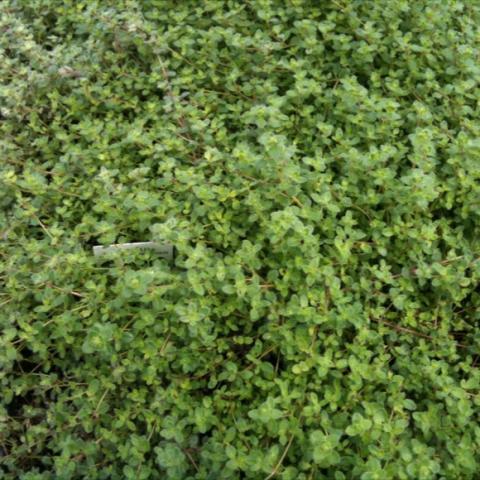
(317, 167)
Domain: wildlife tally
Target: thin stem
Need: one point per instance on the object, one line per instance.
(282, 458)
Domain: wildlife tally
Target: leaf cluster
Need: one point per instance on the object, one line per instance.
(317, 167)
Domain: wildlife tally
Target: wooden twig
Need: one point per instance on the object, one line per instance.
(71, 292)
(148, 440)
(182, 123)
(95, 413)
(192, 460)
(165, 343)
(262, 355)
(44, 228)
(446, 261)
(282, 458)
(5, 302)
(403, 329)
(411, 331)
(297, 201)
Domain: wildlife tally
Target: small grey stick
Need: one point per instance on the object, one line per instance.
(164, 250)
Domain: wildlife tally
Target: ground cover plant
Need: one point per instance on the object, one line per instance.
(316, 165)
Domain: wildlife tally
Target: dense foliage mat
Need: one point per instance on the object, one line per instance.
(316, 164)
